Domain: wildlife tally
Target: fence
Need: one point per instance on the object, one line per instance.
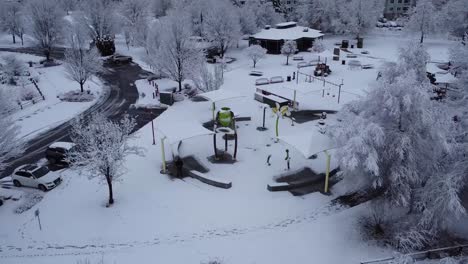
(452, 251)
(25, 104)
(311, 78)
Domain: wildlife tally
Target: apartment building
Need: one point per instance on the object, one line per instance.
(397, 8)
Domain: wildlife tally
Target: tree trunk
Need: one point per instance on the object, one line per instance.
(422, 37)
(22, 39)
(81, 87)
(109, 184)
(47, 54)
(14, 38)
(180, 85)
(255, 63)
(287, 60)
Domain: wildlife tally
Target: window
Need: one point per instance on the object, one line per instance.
(405, 8)
(400, 1)
(398, 9)
(391, 8)
(406, 1)
(392, 1)
(23, 174)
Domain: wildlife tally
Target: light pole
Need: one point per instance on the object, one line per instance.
(163, 171)
(327, 172)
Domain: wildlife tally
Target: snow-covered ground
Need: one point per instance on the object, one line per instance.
(158, 219)
(51, 112)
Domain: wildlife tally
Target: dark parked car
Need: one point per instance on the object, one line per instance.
(57, 152)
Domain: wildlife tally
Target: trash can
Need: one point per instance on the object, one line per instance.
(352, 46)
(336, 58)
(288, 78)
(344, 44)
(166, 98)
(343, 62)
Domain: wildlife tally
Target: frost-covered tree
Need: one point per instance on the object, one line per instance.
(288, 49)
(458, 58)
(321, 14)
(255, 53)
(100, 17)
(160, 7)
(171, 50)
(10, 145)
(68, 5)
(264, 12)
(423, 19)
(248, 21)
(221, 25)
(361, 15)
(81, 63)
(12, 20)
(208, 80)
(455, 17)
(46, 24)
(101, 147)
(414, 56)
(135, 15)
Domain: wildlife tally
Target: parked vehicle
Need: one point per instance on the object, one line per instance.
(57, 152)
(120, 59)
(32, 175)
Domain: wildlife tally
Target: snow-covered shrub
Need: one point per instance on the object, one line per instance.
(29, 200)
(28, 93)
(411, 240)
(12, 68)
(449, 261)
(77, 96)
(318, 46)
(207, 80)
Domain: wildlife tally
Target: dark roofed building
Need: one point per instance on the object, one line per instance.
(273, 39)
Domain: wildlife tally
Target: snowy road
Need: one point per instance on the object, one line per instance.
(120, 94)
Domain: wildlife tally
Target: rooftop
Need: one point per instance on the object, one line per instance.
(288, 31)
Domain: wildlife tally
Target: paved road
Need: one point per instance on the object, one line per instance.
(120, 95)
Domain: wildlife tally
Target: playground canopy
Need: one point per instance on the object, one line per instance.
(183, 129)
(219, 95)
(308, 143)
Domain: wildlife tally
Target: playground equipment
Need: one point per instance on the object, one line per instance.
(226, 124)
(280, 112)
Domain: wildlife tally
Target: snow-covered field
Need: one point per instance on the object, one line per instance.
(51, 112)
(160, 220)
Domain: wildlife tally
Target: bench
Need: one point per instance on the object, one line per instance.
(262, 81)
(276, 79)
(298, 58)
(256, 73)
(367, 66)
(303, 64)
(351, 56)
(210, 181)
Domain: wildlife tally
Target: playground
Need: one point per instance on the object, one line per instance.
(255, 165)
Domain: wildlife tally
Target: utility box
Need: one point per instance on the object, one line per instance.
(344, 44)
(360, 43)
(166, 98)
(336, 51)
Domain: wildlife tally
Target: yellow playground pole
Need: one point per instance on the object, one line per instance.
(327, 173)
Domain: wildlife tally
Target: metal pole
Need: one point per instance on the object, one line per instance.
(264, 113)
(163, 155)
(214, 109)
(294, 100)
(327, 173)
(339, 93)
(152, 127)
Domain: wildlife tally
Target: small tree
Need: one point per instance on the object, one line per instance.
(46, 24)
(12, 67)
(102, 146)
(206, 80)
(12, 19)
(423, 18)
(255, 53)
(221, 25)
(81, 63)
(289, 48)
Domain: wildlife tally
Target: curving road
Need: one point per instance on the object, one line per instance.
(121, 93)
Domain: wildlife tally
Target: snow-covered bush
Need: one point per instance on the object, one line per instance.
(29, 200)
(208, 80)
(411, 240)
(27, 93)
(77, 96)
(288, 49)
(11, 68)
(449, 260)
(318, 46)
(255, 53)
